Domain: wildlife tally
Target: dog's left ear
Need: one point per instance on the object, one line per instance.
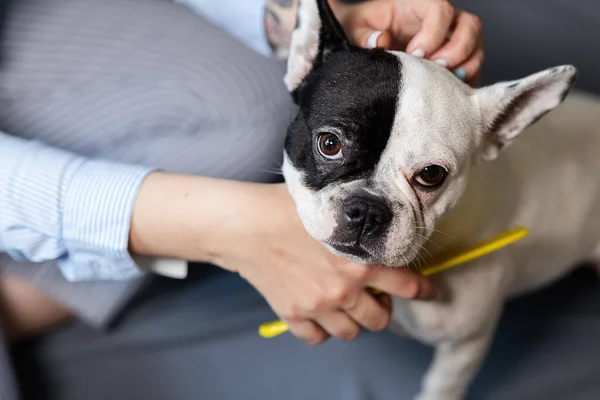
(508, 108)
(317, 35)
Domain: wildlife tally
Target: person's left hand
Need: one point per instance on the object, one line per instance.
(427, 28)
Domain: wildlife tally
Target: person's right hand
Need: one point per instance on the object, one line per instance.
(315, 292)
(254, 230)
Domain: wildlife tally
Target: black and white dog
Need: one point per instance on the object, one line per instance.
(388, 159)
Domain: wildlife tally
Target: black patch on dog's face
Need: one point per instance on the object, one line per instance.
(356, 92)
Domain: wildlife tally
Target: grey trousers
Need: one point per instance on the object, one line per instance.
(138, 81)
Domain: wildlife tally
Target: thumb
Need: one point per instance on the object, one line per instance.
(370, 38)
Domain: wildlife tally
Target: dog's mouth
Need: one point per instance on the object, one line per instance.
(363, 253)
(356, 251)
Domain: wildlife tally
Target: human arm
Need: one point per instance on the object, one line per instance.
(92, 215)
(253, 229)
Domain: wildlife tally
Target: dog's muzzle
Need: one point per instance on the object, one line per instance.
(363, 223)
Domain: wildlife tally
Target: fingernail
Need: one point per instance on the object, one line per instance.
(442, 62)
(418, 53)
(372, 40)
(461, 73)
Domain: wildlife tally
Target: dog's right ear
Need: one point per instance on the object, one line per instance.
(507, 108)
(317, 35)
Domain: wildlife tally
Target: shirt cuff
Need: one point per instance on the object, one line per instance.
(99, 197)
(90, 240)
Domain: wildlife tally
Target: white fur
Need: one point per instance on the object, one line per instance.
(304, 45)
(317, 214)
(549, 182)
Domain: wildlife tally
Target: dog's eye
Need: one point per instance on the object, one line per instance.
(431, 176)
(330, 146)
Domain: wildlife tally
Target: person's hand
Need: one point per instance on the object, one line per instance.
(427, 28)
(254, 230)
(316, 293)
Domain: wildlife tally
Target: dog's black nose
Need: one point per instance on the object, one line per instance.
(366, 216)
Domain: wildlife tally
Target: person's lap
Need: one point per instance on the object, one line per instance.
(137, 81)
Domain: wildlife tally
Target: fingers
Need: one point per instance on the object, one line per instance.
(369, 313)
(371, 39)
(469, 71)
(462, 52)
(340, 325)
(401, 283)
(446, 35)
(462, 43)
(345, 324)
(437, 21)
(308, 331)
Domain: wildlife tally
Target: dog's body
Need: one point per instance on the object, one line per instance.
(548, 182)
(387, 163)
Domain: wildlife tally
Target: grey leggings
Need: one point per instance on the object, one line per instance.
(139, 81)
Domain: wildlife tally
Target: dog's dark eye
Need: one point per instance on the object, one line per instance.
(431, 176)
(330, 146)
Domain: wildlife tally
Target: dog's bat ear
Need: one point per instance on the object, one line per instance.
(317, 35)
(508, 108)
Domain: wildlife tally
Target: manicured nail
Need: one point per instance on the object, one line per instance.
(418, 53)
(372, 40)
(461, 73)
(442, 62)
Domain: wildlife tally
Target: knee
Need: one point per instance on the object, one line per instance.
(214, 108)
(247, 122)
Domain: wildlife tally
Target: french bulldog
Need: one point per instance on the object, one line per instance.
(393, 160)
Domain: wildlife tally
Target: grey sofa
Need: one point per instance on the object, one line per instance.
(196, 339)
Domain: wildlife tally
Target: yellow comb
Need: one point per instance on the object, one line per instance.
(275, 328)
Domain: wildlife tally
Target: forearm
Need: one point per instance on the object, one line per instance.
(196, 218)
(92, 216)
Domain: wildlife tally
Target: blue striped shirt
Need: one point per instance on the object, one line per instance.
(55, 205)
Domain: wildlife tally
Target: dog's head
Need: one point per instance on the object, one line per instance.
(383, 141)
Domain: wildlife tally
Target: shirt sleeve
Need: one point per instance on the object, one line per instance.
(243, 19)
(55, 205)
